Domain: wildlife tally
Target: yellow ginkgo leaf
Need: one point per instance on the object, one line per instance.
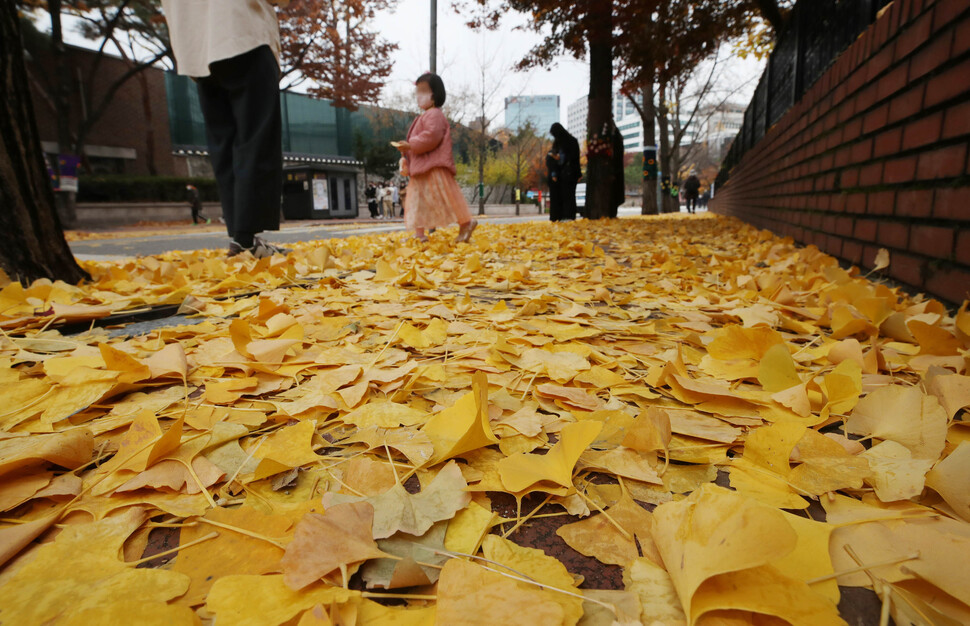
(541, 568)
(902, 414)
(714, 531)
(43, 590)
(396, 510)
(949, 478)
(322, 543)
(464, 426)
(777, 369)
(470, 594)
(232, 552)
(252, 600)
(842, 387)
(554, 469)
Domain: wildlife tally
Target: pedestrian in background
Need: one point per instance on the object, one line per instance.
(434, 199)
(692, 187)
(387, 201)
(570, 171)
(371, 194)
(195, 204)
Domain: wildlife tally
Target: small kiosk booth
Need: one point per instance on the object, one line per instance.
(314, 191)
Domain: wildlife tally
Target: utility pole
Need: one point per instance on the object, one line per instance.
(434, 36)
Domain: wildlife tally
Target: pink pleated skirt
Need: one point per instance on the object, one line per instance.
(434, 200)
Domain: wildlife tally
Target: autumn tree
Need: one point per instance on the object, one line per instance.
(581, 28)
(36, 247)
(520, 152)
(329, 45)
(76, 92)
(658, 58)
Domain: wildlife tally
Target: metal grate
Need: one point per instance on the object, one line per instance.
(817, 32)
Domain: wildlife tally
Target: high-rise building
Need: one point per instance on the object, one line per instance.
(539, 111)
(576, 114)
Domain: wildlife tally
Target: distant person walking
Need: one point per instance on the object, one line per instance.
(692, 187)
(555, 189)
(567, 148)
(387, 201)
(371, 194)
(395, 196)
(434, 199)
(195, 204)
(705, 198)
(232, 49)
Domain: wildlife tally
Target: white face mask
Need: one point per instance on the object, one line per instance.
(424, 101)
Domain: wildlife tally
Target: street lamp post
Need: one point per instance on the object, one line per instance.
(434, 36)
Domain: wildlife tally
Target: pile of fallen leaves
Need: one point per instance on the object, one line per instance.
(736, 425)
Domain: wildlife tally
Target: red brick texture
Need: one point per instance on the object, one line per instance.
(875, 154)
(125, 122)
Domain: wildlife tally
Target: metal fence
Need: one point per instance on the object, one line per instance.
(816, 33)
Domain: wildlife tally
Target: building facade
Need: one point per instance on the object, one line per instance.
(576, 114)
(539, 111)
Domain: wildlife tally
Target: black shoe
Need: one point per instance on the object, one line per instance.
(260, 249)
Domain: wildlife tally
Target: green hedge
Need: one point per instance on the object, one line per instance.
(144, 189)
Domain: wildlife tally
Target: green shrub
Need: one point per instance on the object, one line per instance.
(144, 189)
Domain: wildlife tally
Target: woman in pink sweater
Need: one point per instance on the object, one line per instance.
(434, 199)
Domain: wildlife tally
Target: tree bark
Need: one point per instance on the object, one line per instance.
(599, 169)
(648, 118)
(35, 246)
(667, 204)
(65, 201)
(146, 104)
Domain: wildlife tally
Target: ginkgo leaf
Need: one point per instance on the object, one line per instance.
(894, 473)
(464, 426)
(323, 543)
(714, 532)
(469, 594)
(417, 562)
(650, 432)
(396, 510)
(949, 479)
(44, 590)
(902, 414)
(69, 449)
(252, 600)
(539, 567)
(233, 552)
(524, 471)
(777, 369)
(612, 537)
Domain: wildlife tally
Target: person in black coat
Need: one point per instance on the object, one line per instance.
(566, 146)
(692, 187)
(371, 194)
(553, 178)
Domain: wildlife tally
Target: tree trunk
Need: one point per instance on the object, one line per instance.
(66, 202)
(599, 168)
(648, 120)
(146, 105)
(35, 246)
(667, 204)
(482, 148)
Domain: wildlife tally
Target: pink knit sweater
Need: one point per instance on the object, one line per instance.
(430, 139)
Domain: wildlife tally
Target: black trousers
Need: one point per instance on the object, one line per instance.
(691, 204)
(568, 192)
(240, 101)
(555, 201)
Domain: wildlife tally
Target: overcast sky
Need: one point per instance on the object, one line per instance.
(461, 51)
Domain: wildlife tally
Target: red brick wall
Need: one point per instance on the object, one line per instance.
(124, 123)
(875, 154)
